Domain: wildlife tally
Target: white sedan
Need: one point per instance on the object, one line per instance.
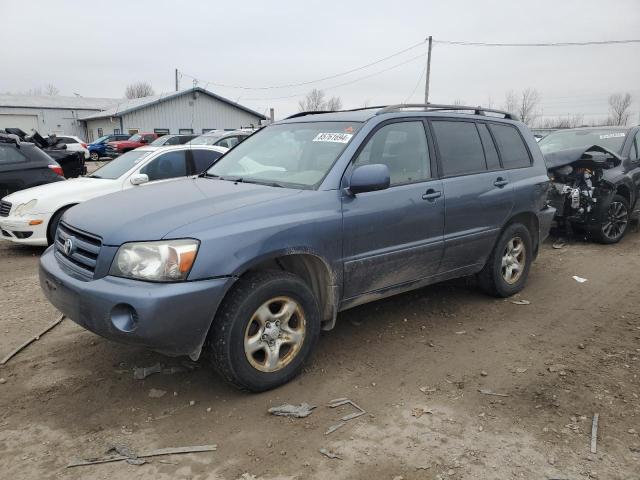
(32, 215)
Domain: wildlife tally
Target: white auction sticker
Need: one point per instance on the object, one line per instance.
(333, 137)
(612, 135)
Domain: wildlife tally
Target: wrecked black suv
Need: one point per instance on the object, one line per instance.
(307, 217)
(595, 173)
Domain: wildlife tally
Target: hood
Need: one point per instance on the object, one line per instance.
(49, 196)
(595, 155)
(123, 143)
(150, 212)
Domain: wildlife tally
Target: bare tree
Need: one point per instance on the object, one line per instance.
(315, 101)
(139, 90)
(525, 104)
(51, 90)
(36, 92)
(619, 106)
(570, 121)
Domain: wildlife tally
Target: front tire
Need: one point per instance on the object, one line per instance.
(94, 156)
(507, 268)
(614, 220)
(264, 331)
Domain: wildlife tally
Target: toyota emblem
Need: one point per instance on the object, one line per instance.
(68, 246)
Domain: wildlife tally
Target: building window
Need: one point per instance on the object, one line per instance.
(161, 131)
(116, 131)
(205, 130)
(133, 131)
(185, 131)
(99, 132)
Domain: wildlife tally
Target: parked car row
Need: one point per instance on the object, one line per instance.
(246, 262)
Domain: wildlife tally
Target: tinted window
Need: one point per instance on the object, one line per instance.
(10, 155)
(635, 148)
(513, 151)
(203, 159)
(403, 148)
(169, 165)
(490, 152)
(125, 162)
(460, 147)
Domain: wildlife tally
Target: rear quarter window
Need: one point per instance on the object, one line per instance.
(459, 146)
(490, 152)
(10, 155)
(513, 151)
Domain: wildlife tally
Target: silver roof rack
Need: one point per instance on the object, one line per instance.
(429, 107)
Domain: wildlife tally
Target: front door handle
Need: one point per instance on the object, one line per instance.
(431, 194)
(500, 182)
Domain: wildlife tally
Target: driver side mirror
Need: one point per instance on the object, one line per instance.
(139, 179)
(369, 178)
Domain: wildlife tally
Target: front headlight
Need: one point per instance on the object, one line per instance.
(25, 207)
(162, 261)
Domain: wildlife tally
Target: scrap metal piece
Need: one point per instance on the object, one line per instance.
(335, 427)
(344, 401)
(13, 353)
(140, 373)
(485, 391)
(296, 411)
(330, 454)
(594, 433)
(132, 456)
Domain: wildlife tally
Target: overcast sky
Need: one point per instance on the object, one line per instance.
(96, 48)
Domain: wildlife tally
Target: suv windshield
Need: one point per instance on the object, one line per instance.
(116, 168)
(102, 139)
(610, 138)
(294, 154)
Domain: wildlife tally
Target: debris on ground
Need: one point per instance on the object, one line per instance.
(330, 454)
(560, 243)
(13, 353)
(419, 411)
(485, 391)
(579, 279)
(119, 453)
(521, 302)
(156, 393)
(3, 381)
(296, 411)
(594, 433)
(557, 367)
(427, 390)
(140, 373)
(461, 332)
(521, 370)
(484, 373)
(344, 401)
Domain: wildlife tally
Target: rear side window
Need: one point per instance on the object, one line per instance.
(169, 165)
(513, 151)
(460, 147)
(490, 152)
(10, 155)
(203, 159)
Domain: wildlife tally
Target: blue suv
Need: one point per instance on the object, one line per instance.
(98, 148)
(309, 216)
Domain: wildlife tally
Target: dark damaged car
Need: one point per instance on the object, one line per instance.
(595, 174)
(307, 217)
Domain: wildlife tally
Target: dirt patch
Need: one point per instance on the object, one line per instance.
(572, 352)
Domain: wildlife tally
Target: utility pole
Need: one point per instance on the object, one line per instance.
(177, 82)
(426, 81)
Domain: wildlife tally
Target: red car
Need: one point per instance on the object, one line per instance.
(115, 149)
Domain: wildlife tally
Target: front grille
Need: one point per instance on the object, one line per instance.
(84, 253)
(5, 208)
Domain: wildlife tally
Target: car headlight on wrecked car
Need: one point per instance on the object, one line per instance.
(25, 207)
(162, 261)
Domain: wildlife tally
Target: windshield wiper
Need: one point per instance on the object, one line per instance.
(94, 176)
(208, 175)
(261, 182)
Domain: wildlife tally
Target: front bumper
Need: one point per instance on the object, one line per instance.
(17, 229)
(171, 318)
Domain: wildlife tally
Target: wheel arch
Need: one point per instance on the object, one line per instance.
(529, 220)
(58, 210)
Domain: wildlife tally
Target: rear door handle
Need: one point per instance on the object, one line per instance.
(500, 182)
(431, 194)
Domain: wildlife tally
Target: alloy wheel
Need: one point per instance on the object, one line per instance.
(514, 259)
(616, 221)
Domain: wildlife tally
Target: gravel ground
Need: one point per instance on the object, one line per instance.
(414, 362)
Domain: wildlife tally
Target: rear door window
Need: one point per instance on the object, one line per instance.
(10, 155)
(460, 147)
(203, 159)
(513, 151)
(490, 152)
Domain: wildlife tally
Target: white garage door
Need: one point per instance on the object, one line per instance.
(28, 123)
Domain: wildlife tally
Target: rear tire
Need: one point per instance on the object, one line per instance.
(507, 268)
(264, 331)
(613, 222)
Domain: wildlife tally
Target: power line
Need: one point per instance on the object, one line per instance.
(422, 72)
(551, 44)
(299, 84)
(412, 59)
